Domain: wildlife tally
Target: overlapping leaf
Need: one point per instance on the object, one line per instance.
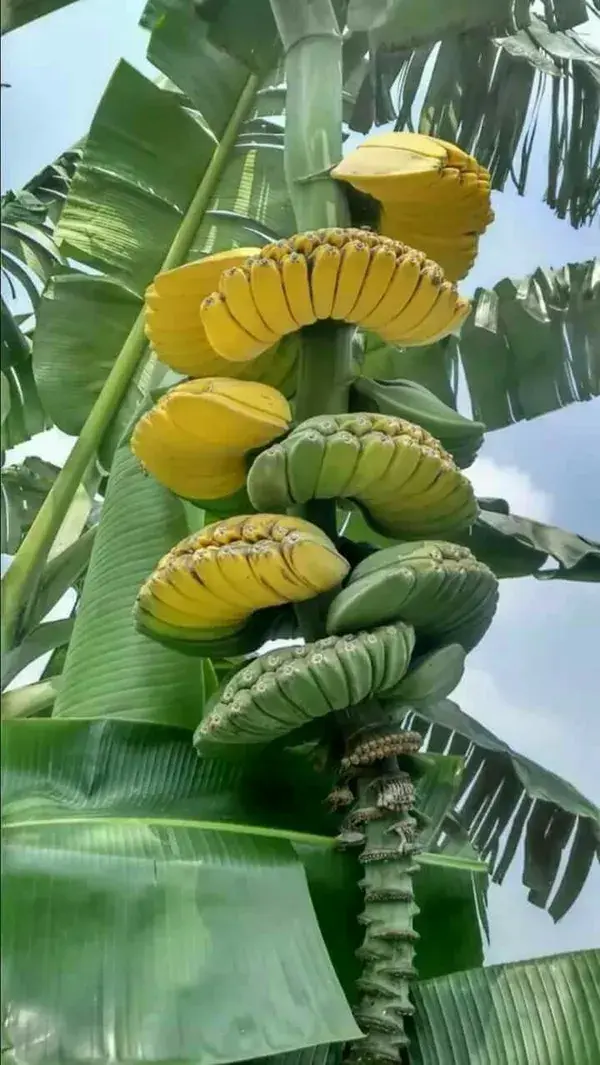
(542, 1012)
(485, 93)
(528, 347)
(506, 798)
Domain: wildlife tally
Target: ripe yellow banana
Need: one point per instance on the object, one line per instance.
(418, 308)
(276, 251)
(318, 567)
(376, 452)
(211, 575)
(399, 293)
(354, 264)
(437, 319)
(294, 272)
(305, 243)
(225, 335)
(179, 585)
(274, 575)
(461, 311)
(234, 285)
(376, 283)
(269, 296)
(336, 236)
(456, 157)
(324, 269)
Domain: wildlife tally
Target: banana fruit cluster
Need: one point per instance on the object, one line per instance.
(433, 196)
(399, 473)
(195, 439)
(282, 690)
(378, 283)
(174, 327)
(210, 583)
(439, 588)
(222, 314)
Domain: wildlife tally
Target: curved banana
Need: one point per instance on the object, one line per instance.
(324, 269)
(399, 293)
(354, 263)
(225, 334)
(234, 286)
(296, 282)
(269, 296)
(376, 283)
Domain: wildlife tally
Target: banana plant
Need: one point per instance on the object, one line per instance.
(254, 848)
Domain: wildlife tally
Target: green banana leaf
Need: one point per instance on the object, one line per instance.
(512, 546)
(528, 347)
(200, 936)
(540, 1012)
(110, 668)
(126, 205)
(22, 412)
(19, 12)
(23, 489)
(484, 91)
(506, 799)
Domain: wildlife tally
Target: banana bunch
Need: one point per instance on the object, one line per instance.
(214, 316)
(195, 439)
(431, 677)
(433, 196)
(461, 436)
(441, 589)
(403, 478)
(174, 327)
(343, 274)
(209, 585)
(282, 690)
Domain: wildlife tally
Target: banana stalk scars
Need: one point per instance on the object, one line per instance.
(432, 195)
(195, 439)
(400, 474)
(212, 582)
(280, 691)
(439, 588)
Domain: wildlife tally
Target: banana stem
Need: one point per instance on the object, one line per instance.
(32, 553)
(312, 44)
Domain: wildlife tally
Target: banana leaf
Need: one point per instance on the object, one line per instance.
(505, 799)
(542, 1012)
(24, 489)
(20, 12)
(201, 940)
(22, 412)
(484, 90)
(128, 201)
(528, 347)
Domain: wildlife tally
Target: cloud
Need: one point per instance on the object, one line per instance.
(489, 478)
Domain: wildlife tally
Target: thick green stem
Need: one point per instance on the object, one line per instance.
(313, 139)
(36, 545)
(382, 815)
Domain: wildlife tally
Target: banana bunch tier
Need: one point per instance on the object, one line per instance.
(285, 689)
(195, 439)
(400, 474)
(210, 583)
(432, 195)
(174, 327)
(253, 300)
(441, 589)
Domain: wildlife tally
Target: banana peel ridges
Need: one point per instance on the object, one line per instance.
(399, 474)
(285, 689)
(439, 588)
(218, 577)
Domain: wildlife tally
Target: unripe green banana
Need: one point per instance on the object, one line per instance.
(438, 588)
(304, 458)
(408, 399)
(431, 677)
(408, 485)
(258, 705)
(339, 461)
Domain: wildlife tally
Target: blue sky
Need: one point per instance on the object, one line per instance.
(536, 678)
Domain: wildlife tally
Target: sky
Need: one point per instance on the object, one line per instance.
(535, 679)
